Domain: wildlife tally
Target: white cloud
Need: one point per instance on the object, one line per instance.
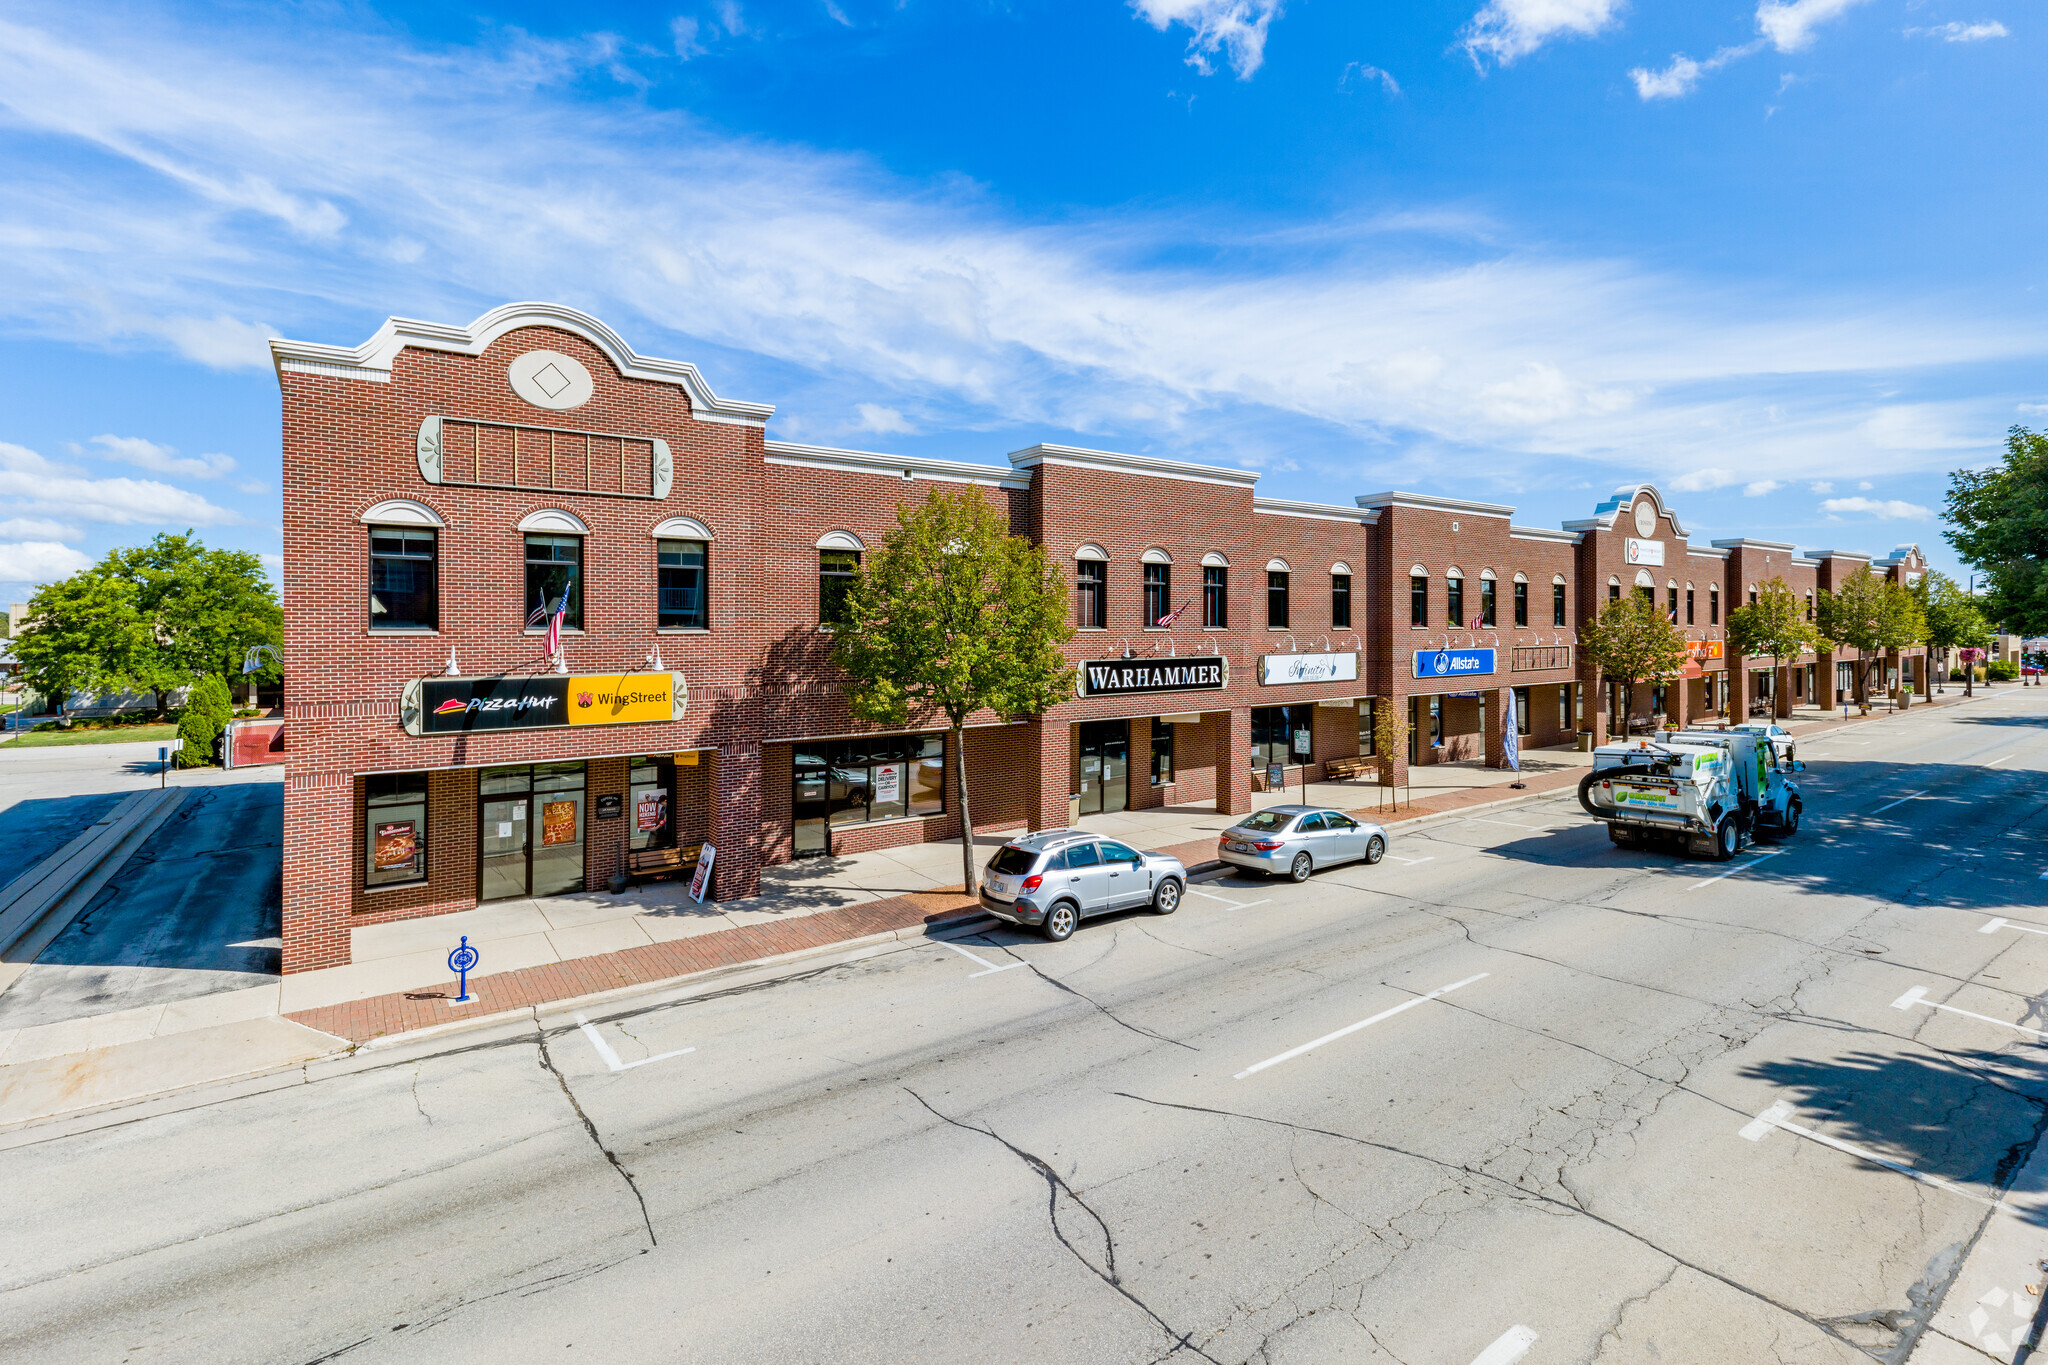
(1760, 488)
(874, 417)
(1704, 480)
(39, 561)
(2034, 409)
(1894, 510)
(1961, 33)
(729, 18)
(1368, 74)
(1684, 73)
(1821, 486)
(160, 458)
(30, 483)
(1866, 485)
(1235, 29)
(1789, 24)
(1507, 29)
(38, 528)
(685, 32)
(1412, 328)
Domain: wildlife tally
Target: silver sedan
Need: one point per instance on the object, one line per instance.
(1299, 839)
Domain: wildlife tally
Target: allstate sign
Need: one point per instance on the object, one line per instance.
(1453, 663)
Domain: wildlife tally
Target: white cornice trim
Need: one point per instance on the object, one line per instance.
(902, 467)
(1818, 555)
(373, 359)
(1315, 511)
(1116, 462)
(1607, 513)
(1697, 553)
(1745, 543)
(1428, 503)
(1544, 533)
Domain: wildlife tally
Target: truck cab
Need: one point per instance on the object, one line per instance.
(1711, 791)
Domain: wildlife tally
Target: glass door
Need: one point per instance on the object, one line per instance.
(504, 848)
(557, 855)
(1105, 766)
(811, 790)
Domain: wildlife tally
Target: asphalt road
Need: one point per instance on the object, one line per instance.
(1079, 1157)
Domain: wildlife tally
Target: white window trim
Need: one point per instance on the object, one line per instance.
(1521, 577)
(682, 528)
(1155, 555)
(1643, 579)
(554, 519)
(1277, 566)
(1557, 580)
(1455, 572)
(1417, 571)
(1091, 551)
(840, 540)
(1213, 560)
(401, 512)
(1340, 567)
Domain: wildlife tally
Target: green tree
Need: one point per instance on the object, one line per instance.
(1774, 626)
(1389, 737)
(950, 616)
(1870, 614)
(1631, 642)
(1999, 525)
(208, 709)
(1952, 619)
(152, 618)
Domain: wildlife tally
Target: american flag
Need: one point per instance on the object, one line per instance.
(1174, 615)
(553, 615)
(1478, 623)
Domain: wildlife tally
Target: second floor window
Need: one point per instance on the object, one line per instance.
(1521, 603)
(1216, 598)
(1486, 603)
(1091, 594)
(1713, 606)
(1276, 598)
(402, 595)
(1158, 593)
(1340, 599)
(680, 567)
(1673, 590)
(836, 571)
(1557, 604)
(554, 567)
(1454, 602)
(1688, 606)
(1418, 600)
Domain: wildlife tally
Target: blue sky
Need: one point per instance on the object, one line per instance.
(1779, 256)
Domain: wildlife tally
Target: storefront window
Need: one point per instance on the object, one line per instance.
(1368, 727)
(1436, 722)
(402, 593)
(394, 828)
(1522, 720)
(1273, 732)
(680, 565)
(1162, 753)
(554, 566)
(650, 802)
(532, 832)
(881, 777)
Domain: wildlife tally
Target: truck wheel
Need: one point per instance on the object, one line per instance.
(1791, 825)
(1727, 839)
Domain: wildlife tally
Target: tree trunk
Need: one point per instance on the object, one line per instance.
(162, 702)
(967, 880)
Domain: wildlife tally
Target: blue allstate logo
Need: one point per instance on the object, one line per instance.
(1442, 663)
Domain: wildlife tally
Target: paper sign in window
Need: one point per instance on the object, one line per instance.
(397, 845)
(558, 822)
(650, 812)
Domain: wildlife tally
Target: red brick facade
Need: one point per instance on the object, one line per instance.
(759, 677)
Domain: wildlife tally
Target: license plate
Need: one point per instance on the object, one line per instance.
(1240, 848)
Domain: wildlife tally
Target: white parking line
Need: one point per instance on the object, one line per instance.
(1292, 1053)
(1509, 1347)
(1996, 761)
(1733, 870)
(1918, 996)
(1482, 820)
(1235, 905)
(1993, 926)
(611, 1058)
(992, 967)
(1411, 861)
(1759, 1128)
(1900, 802)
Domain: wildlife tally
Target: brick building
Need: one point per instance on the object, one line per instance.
(446, 488)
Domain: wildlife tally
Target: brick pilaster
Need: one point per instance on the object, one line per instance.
(1233, 761)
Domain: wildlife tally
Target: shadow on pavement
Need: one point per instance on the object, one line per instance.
(32, 830)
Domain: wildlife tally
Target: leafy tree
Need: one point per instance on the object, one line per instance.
(152, 618)
(1774, 626)
(1952, 619)
(1389, 736)
(208, 709)
(953, 615)
(1870, 615)
(1999, 525)
(1631, 642)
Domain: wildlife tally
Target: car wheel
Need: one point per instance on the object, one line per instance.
(1301, 867)
(1727, 839)
(1166, 899)
(1060, 922)
(1375, 849)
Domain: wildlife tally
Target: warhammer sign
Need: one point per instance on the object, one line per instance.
(456, 706)
(1110, 677)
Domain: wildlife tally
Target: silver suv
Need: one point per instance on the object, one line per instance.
(1054, 879)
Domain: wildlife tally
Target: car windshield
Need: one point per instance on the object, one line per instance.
(1265, 822)
(1011, 860)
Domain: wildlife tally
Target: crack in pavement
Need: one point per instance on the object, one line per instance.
(1056, 1186)
(1513, 1191)
(547, 1062)
(1108, 1013)
(417, 1068)
(1621, 1311)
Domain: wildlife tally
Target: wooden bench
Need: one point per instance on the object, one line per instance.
(649, 863)
(1341, 769)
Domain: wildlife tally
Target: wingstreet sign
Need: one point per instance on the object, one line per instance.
(1114, 677)
(454, 706)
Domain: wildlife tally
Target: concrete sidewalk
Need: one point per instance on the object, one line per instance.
(564, 949)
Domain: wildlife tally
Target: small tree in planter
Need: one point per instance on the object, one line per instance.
(1632, 642)
(1389, 738)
